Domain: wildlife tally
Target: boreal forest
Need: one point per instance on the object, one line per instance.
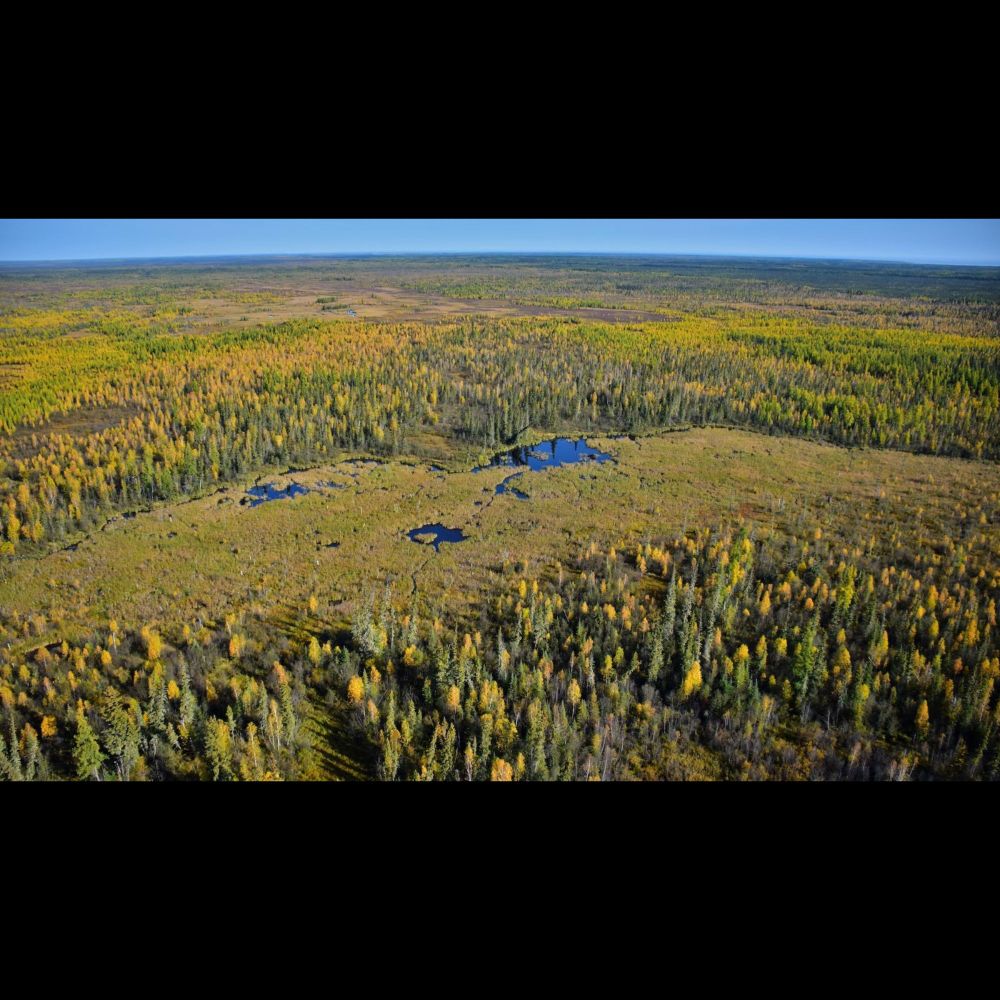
(499, 518)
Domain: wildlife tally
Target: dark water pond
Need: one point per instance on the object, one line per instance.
(440, 533)
(505, 487)
(549, 455)
(546, 455)
(262, 494)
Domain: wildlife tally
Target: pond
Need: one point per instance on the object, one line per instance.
(439, 534)
(505, 487)
(262, 494)
(545, 455)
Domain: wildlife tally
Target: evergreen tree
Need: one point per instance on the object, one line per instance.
(87, 755)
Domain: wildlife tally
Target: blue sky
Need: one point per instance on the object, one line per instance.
(949, 241)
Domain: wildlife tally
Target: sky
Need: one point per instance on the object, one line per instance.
(943, 241)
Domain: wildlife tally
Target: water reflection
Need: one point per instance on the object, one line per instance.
(439, 534)
(545, 455)
(262, 494)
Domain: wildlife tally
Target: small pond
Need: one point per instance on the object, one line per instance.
(439, 532)
(505, 487)
(261, 494)
(545, 455)
(549, 455)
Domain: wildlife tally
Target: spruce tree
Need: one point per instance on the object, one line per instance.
(87, 755)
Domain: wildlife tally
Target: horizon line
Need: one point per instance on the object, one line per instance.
(919, 262)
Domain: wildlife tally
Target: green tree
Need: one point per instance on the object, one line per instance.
(218, 747)
(87, 755)
(121, 735)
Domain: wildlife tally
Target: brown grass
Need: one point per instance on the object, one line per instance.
(200, 558)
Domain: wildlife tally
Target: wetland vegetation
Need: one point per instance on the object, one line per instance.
(756, 529)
